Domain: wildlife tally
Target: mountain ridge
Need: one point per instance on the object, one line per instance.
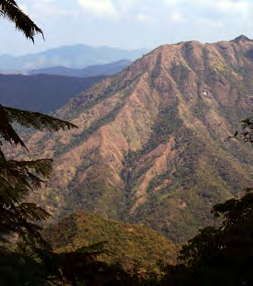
(41, 93)
(95, 70)
(75, 56)
(152, 145)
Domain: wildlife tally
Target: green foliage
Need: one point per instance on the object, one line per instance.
(22, 249)
(157, 69)
(20, 220)
(220, 255)
(180, 74)
(247, 133)
(27, 119)
(125, 242)
(19, 178)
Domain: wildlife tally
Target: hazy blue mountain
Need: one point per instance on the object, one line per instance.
(104, 69)
(76, 56)
(42, 93)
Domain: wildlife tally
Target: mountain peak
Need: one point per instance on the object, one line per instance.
(242, 38)
(150, 142)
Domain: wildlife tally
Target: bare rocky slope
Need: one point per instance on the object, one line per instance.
(152, 145)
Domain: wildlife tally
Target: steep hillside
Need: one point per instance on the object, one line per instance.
(125, 242)
(152, 145)
(42, 93)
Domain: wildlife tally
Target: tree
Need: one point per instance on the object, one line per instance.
(220, 255)
(11, 11)
(246, 133)
(19, 220)
(247, 130)
(38, 121)
(19, 178)
(25, 257)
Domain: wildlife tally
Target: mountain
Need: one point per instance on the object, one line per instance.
(76, 56)
(153, 141)
(125, 242)
(41, 93)
(96, 70)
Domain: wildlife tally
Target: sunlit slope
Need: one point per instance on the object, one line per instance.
(125, 243)
(152, 145)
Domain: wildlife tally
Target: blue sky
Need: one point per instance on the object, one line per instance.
(128, 24)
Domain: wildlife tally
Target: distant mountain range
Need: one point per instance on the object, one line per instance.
(46, 90)
(41, 93)
(76, 56)
(96, 70)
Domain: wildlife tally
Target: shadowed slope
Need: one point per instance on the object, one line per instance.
(42, 93)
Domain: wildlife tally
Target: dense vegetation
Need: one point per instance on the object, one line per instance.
(125, 242)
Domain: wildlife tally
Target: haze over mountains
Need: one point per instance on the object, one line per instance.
(45, 90)
(96, 70)
(41, 93)
(77, 56)
(152, 145)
